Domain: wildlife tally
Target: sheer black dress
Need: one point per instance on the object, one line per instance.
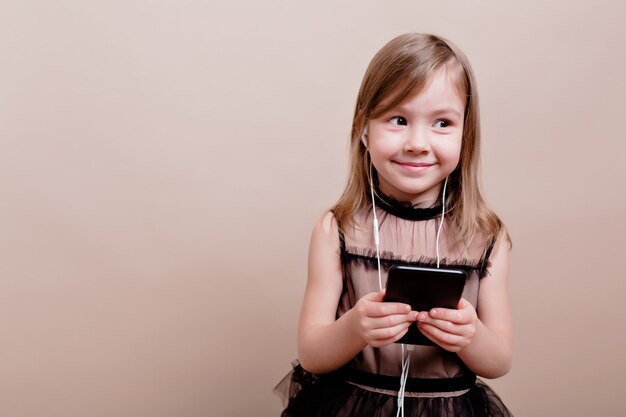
(439, 383)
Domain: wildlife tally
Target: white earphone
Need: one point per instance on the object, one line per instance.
(364, 137)
(406, 356)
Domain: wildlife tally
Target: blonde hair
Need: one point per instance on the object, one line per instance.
(397, 72)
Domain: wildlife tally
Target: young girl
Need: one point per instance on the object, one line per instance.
(412, 199)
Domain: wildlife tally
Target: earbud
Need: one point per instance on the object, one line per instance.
(364, 137)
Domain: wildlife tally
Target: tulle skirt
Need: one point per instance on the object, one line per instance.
(347, 393)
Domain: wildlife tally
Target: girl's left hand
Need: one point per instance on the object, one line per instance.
(451, 329)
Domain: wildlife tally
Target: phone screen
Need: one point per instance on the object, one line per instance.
(424, 289)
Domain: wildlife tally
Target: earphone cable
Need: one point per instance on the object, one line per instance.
(443, 213)
(376, 236)
(406, 359)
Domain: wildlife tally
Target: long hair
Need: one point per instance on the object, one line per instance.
(397, 72)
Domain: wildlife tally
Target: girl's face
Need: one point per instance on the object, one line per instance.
(416, 145)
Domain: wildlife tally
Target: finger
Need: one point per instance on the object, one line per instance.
(379, 309)
(453, 315)
(384, 342)
(442, 338)
(462, 329)
(444, 325)
(389, 332)
(392, 320)
(423, 327)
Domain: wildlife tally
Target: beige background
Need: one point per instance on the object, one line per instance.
(162, 165)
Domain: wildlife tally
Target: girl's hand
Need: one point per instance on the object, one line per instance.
(451, 329)
(380, 323)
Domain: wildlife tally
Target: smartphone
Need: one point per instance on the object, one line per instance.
(423, 289)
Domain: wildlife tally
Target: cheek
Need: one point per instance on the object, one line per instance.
(380, 152)
(450, 154)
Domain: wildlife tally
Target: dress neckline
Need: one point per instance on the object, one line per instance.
(405, 210)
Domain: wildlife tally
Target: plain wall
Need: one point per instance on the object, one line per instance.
(162, 165)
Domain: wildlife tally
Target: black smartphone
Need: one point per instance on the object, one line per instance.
(423, 289)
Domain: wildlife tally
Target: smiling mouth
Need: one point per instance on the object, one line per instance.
(415, 164)
(414, 168)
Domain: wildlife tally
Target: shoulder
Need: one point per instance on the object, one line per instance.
(485, 246)
(493, 239)
(497, 255)
(504, 236)
(326, 232)
(500, 242)
(324, 265)
(326, 226)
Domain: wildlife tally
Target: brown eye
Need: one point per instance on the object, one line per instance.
(398, 121)
(442, 123)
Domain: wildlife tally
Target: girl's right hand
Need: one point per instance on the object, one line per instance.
(380, 323)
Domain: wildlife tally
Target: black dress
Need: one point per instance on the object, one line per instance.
(439, 383)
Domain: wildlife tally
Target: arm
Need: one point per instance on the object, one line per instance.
(326, 344)
(482, 339)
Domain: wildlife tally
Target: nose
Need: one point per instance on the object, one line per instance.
(416, 140)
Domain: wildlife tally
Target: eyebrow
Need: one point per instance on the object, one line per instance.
(432, 112)
(446, 111)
